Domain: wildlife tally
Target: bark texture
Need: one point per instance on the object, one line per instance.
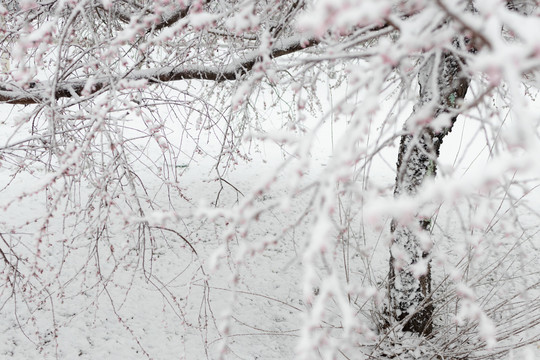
(442, 86)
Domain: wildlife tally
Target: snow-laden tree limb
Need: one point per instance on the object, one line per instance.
(38, 92)
(118, 173)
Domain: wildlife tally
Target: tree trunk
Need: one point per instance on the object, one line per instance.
(442, 86)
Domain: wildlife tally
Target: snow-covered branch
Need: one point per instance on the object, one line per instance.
(38, 92)
(229, 166)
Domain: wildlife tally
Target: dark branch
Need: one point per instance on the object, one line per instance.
(41, 93)
(172, 19)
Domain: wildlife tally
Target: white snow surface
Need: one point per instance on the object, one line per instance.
(268, 270)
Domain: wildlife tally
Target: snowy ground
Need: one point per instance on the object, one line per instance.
(113, 293)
